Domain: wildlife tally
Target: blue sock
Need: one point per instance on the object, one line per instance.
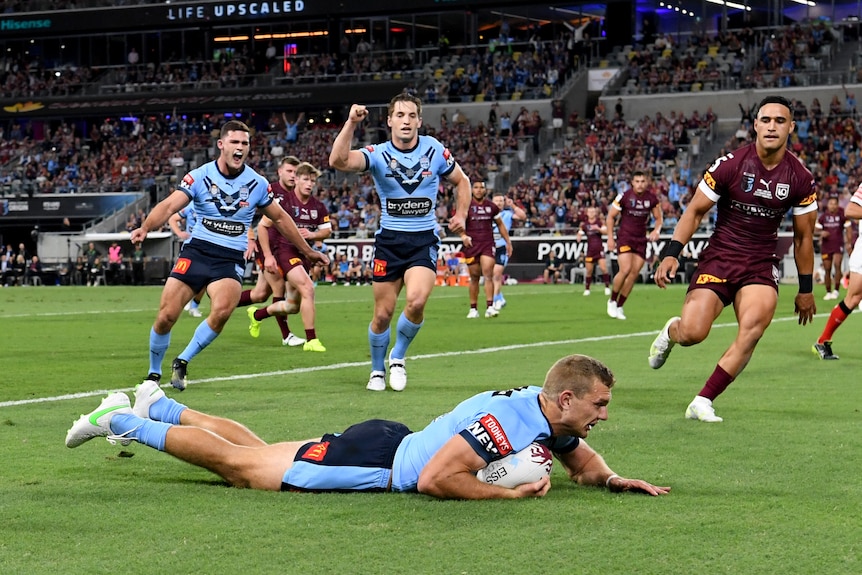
(407, 330)
(146, 431)
(204, 335)
(158, 346)
(498, 297)
(194, 305)
(379, 343)
(167, 410)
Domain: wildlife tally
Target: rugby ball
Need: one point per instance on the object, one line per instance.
(526, 466)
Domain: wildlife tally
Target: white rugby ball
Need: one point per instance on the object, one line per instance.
(526, 466)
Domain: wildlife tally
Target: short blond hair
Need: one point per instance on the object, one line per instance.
(306, 169)
(578, 374)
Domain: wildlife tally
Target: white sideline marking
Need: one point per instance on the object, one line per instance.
(102, 392)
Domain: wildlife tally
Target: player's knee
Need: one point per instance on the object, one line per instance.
(687, 334)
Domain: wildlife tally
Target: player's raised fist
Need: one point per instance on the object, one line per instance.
(358, 113)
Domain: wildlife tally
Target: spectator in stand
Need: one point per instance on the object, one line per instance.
(115, 262)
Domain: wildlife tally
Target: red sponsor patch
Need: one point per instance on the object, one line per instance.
(188, 180)
(379, 267)
(369, 148)
(316, 452)
(182, 265)
(498, 436)
(446, 154)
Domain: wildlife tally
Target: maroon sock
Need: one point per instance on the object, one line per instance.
(261, 314)
(607, 279)
(614, 296)
(244, 298)
(588, 282)
(489, 303)
(281, 320)
(621, 300)
(310, 334)
(716, 384)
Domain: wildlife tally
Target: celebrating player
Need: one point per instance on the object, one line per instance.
(823, 347)
(478, 239)
(592, 228)
(406, 172)
(312, 219)
(225, 193)
(440, 460)
(753, 186)
(834, 229)
(509, 211)
(634, 207)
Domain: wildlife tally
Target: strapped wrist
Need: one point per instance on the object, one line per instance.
(806, 283)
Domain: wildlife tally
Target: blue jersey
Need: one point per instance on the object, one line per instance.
(191, 217)
(225, 206)
(494, 423)
(507, 214)
(407, 182)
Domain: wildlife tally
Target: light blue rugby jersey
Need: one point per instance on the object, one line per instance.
(225, 206)
(495, 423)
(407, 182)
(191, 217)
(507, 214)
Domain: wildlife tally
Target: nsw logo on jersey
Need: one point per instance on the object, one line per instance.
(490, 435)
(409, 177)
(228, 203)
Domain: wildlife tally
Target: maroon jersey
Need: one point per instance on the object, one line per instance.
(480, 219)
(835, 223)
(312, 215)
(751, 203)
(593, 231)
(281, 196)
(635, 213)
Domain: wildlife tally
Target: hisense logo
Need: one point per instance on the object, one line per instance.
(24, 24)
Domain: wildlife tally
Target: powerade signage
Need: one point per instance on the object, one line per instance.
(16, 25)
(235, 10)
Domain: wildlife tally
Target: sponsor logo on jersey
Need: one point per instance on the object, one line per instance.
(369, 148)
(624, 249)
(490, 435)
(224, 227)
(747, 182)
(188, 180)
(760, 211)
(295, 261)
(316, 452)
(710, 181)
(243, 193)
(709, 279)
(379, 268)
(424, 163)
(450, 159)
(408, 207)
(182, 266)
(782, 191)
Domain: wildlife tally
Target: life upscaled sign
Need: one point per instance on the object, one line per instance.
(235, 10)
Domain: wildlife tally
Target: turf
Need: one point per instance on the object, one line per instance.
(773, 489)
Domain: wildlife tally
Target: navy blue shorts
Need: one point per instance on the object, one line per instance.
(396, 252)
(360, 459)
(201, 263)
(500, 257)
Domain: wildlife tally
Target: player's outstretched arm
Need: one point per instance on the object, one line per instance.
(803, 252)
(160, 214)
(341, 157)
(451, 474)
(686, 226)
(585, 466)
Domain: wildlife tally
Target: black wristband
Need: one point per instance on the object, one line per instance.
(806, 283)
(673, 249)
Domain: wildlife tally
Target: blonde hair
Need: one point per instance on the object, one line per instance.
(578, 374)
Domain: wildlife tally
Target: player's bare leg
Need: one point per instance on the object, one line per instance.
(755, 307)
(232, 431)
(475, 270)
(487, 265)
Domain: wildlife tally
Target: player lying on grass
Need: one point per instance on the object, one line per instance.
(377, 455)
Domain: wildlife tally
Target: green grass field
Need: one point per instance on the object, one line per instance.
(774, 489)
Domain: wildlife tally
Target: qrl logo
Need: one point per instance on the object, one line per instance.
(182, 265)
